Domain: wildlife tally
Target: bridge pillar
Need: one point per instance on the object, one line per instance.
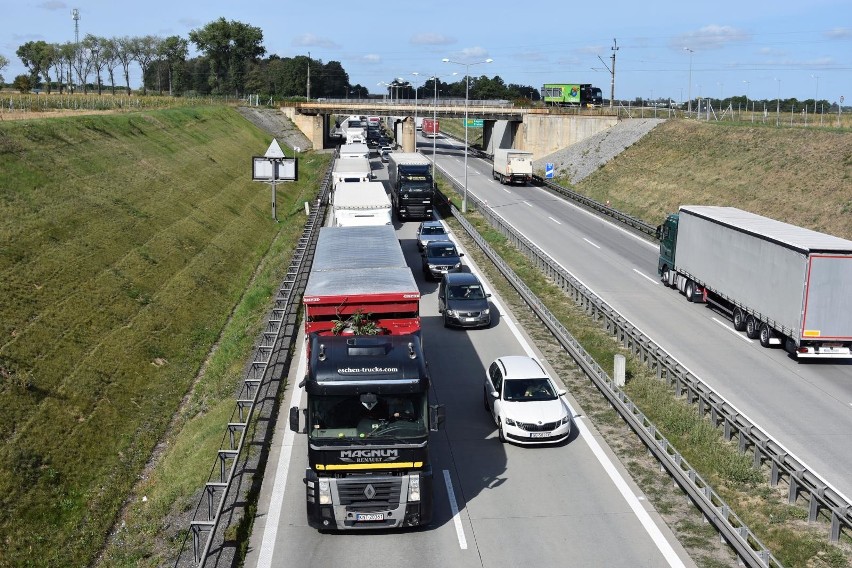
(312, 126)
(407, 139)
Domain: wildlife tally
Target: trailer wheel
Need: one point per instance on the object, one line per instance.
(765, 335)
(789, 345)
(752, 327)
(739, 320)
(690, 291)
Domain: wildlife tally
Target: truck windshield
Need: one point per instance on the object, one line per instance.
(418, 187)
(347, 417)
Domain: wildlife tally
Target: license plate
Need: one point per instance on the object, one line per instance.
(539, 434)
(470, 319)
(370, 517)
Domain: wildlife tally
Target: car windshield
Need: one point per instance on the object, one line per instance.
(442, 251)
(433, 231)
(528, 390)
(354, 417)
(466, 292)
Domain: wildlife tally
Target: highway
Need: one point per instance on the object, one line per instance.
(495, 505)
(805, 407)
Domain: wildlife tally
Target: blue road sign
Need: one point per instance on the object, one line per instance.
(548, 171)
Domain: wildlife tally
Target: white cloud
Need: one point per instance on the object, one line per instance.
(372, 58)
(431, 39)
(839, 33)
(710, 37)
(53, 5)
(470, 55)
(310, 40)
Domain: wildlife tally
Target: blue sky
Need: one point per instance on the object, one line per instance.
(759, 48)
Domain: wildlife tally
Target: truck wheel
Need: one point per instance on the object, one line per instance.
(789, 345)
(739, 320)
(752, 327)
(690, 290)
(666, 276)
(765, 335)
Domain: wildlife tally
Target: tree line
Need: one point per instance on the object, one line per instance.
(232, 62)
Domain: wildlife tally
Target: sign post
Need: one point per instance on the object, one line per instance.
(273, 167)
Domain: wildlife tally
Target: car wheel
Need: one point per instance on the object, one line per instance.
(739, 320)
(446, 321)
(752, 327)
(500, 432)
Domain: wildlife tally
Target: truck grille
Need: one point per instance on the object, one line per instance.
(363, 494)
(538, 427)
(416, 210)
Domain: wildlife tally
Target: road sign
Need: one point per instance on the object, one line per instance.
(474, 123)
(262, 168)
(548, 170)
(274, 150)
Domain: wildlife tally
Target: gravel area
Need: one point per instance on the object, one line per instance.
(580, 160)
(273, 121)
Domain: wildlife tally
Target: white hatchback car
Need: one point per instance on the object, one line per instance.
(525, 403)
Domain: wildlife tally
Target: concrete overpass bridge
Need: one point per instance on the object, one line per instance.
(541, 131)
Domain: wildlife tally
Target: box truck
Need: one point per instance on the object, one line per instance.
(780, 283)
(512, 166)
(351, 170)
(354, 151)
(412, 186)
(359, 204)
(431, 127)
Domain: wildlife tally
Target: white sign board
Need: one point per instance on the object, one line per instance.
(262, 169)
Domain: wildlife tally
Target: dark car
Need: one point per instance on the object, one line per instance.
(462, 301)
(439, 258)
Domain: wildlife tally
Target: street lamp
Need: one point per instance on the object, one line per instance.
(466, 95)
(689, 111)
(415, 73)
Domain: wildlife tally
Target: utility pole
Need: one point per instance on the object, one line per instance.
(309, 77)
(75, 15)
(612, 79)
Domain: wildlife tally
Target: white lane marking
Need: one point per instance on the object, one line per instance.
(732, 330)
(642, 515)
(504, 189)
(555, 221)
(527, 203)
(276, 502)
(451, 495)
(653, 280)
(591, 243)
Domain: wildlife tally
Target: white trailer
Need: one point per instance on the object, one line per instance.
(512, 166)
(351, 170)
(360, 204)
(354, 151)
(780, 283)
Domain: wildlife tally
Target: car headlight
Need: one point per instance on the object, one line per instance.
(509, 421)
(486, 312)
(451, 313)
(457, 265)
(324, 492)
(414, 488)
(432, 266)
(565, 420)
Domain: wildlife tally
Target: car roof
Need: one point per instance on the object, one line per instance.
(441, 243)
(521, 367)
(432, 224)
(461, 278)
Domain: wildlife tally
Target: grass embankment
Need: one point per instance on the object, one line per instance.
(128, 241)
(781, 527)
(800, 176)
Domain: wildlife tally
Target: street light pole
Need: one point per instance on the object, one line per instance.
(689, 90)
(415, 73)
(466, 96)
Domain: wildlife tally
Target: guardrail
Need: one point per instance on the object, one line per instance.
(281, 329)
(709, 403)
(783, 465)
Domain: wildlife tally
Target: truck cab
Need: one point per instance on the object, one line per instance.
(667, 235)
(368, 420)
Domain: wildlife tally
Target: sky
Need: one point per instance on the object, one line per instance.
(761, 49)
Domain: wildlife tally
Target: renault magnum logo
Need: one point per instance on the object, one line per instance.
(368, 456)
(369, 491)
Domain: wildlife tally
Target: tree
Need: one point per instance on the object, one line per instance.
(32, 56)
(22, 83)
(3, 64)
(109, 53)
(125, 48)
(174, 50)
(67, 53)
(229, 47)
(145, 51)
(94, 47)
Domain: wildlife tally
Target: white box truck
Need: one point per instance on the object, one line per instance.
(350, 170)
(780, 283)
(512, 166)
(360, 204)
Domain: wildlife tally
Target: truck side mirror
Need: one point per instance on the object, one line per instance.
(294, 418)
(436, 417)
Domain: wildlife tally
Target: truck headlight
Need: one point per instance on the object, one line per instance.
(324, 492)
(413, 488)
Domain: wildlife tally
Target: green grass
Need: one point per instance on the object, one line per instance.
(128, 241)
(730, 473)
